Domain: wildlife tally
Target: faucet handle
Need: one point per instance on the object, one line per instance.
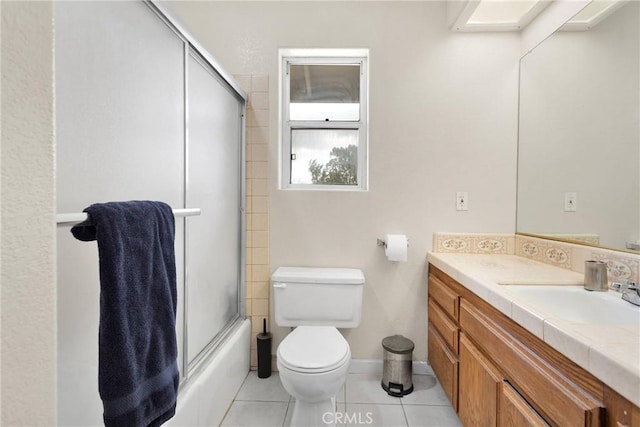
(622, 285)
(617, 286)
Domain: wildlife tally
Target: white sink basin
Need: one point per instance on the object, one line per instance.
(574, 304)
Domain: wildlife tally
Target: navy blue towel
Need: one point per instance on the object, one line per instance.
(137, 368)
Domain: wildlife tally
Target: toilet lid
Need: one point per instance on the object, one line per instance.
(313, 349)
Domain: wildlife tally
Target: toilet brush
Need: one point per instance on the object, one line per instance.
(264, 351)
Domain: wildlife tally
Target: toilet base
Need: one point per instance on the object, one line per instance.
(316, 414)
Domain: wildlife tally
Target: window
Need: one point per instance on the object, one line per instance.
(324, 119)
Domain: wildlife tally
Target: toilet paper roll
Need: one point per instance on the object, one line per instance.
(396, 249)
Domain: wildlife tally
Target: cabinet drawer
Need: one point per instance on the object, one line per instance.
(444, 296)
(515, 411)
(445, 365)
(561, 401)
(446, 327)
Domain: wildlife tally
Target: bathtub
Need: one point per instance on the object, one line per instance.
(204, 400)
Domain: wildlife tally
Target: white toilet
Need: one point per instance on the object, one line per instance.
(313, 360)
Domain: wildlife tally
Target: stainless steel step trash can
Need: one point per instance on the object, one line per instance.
(397, 368)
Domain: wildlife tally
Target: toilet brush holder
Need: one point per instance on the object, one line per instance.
(264, 339)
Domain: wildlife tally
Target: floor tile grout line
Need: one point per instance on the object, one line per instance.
(375, 403)
(426, 404)
(397, 404)
(286, 413)
(234, 397)
(406, 419)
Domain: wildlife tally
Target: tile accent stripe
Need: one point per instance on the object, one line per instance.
(620, 265)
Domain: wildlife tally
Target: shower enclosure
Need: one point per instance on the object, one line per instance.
(143, 113)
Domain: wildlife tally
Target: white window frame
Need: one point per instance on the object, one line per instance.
(322, 56)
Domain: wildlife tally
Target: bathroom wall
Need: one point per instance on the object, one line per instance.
(28, 302)
(442, 119)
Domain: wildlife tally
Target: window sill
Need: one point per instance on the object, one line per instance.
(338, 188)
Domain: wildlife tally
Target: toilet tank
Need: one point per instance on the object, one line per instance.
(305, 296)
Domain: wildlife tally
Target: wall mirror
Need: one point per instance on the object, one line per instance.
(579, 131)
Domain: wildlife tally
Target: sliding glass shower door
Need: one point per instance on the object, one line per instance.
(214, 180)
(141, 115)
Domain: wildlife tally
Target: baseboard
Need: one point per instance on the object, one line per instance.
(374, 366)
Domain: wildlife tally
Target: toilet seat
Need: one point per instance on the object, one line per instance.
(314, 349)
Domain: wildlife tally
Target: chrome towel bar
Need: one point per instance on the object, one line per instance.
(76, 218)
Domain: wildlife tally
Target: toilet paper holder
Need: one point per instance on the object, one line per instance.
(380, 242)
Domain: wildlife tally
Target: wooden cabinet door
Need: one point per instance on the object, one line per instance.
(444, 364)
(479, 387)
(515, 411)
(563, 402)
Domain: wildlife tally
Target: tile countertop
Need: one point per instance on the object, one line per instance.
(610, 353)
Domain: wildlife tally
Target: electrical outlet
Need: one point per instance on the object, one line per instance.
(462, 201)
(570, 201)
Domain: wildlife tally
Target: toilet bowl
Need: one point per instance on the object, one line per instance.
(313, 362)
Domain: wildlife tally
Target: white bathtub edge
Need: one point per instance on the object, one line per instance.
(205, 401)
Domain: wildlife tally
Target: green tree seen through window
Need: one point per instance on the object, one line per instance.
(340, 170)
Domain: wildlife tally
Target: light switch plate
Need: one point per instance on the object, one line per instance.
(570, 201)
(462, 201)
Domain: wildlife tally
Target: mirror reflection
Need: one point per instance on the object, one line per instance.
(579, 132)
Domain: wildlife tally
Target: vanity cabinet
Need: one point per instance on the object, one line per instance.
(444, 363)
(479, 386)
(515, 410)
(442, 336)
(496, 373)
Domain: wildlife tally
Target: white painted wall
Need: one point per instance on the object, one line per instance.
(442, 119)
(579, 131)
(28, 302)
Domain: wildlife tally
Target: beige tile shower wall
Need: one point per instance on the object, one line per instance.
(257, 256)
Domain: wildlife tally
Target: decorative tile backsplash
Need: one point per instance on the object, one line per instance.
(620, 265)
(470, 243)
(547, 251)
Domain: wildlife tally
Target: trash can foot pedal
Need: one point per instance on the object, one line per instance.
(396, 390)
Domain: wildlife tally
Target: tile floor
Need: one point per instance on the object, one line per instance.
(264, 402)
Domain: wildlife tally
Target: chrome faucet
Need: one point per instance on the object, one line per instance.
(632, 293)
(629, 289)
